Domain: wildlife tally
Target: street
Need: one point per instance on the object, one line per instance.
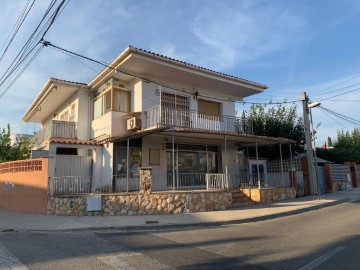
(328, 238)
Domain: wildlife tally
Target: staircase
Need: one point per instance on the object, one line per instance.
(239, 199)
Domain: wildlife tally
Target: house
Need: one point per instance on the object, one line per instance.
(145, 110)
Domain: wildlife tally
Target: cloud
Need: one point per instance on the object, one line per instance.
(243, 34)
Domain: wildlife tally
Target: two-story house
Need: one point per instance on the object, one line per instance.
(149, 110)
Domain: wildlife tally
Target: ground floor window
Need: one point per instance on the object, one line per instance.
(192, 163)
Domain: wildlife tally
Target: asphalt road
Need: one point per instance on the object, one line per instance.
(323, 239)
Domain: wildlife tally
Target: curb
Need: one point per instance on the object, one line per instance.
(141, 228)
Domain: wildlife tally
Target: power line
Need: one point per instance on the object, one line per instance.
(16, 28)
(20, 62)
(341, 116)
(356, 89)
(141, 76)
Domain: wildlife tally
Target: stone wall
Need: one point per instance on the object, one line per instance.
(144, 203)
(269, 195)
(66, 206)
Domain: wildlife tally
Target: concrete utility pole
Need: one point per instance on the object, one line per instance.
(309, 149)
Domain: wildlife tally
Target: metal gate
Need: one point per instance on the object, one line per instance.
(72, 175)
(320, 173)
(67, 165)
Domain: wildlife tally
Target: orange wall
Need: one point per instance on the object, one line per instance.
(30, 179)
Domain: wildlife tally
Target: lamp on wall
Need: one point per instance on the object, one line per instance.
(196, 95)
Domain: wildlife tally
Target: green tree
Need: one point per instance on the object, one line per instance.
(21, 149)
(346, 147)
(277, 121)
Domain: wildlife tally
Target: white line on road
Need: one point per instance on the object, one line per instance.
(8, 261)
(114, 262)
(322, 258)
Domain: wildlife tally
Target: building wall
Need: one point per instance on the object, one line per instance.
(83, 115)
(24, 185)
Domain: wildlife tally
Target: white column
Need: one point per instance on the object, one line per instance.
(257, 163)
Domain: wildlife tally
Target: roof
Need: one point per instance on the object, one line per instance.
(46, 102)
(72, 141)
(243, 139)
(135, 49)
(66, 81)
(131, 49)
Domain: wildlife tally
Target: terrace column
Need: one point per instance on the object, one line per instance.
(127, 164)
(226, 162)
(282, 167)
(257, 163)
(173, 159)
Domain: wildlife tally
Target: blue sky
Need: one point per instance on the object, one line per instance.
(291, 46)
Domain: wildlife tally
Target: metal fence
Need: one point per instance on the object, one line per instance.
(68, 185)
(340, 172)
(193, 119)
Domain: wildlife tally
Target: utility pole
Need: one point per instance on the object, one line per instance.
(309, 149)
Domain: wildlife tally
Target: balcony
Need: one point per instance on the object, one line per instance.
(54, 129)
(192, 119)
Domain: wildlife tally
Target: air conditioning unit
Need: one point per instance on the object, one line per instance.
(134, 124)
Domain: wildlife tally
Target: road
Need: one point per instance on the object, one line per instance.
(328, 238)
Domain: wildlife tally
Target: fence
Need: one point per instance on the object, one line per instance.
(340, 172)
(193, 119)
(68, 185)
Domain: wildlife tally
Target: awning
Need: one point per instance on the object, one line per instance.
(243, 139)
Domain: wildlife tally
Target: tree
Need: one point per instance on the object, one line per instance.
(277, 121)
(21, 149)
(346, 148)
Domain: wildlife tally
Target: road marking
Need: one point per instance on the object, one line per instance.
(8, 261)
(322, 258)
(114, 262)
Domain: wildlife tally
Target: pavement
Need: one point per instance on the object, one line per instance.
(14, 221)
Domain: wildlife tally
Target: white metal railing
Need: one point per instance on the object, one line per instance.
(216, 181)
(67, 185)
(55, 129)
(193, 119)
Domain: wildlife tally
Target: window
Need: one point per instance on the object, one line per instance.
(107, 102)
(121, 101)
(209, 107)
(112, 100)
(98, 108)
(64, 116)
(72, 113)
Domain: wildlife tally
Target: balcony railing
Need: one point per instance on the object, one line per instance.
(193, 119)
(54, 129)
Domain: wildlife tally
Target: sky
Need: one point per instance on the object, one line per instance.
(291, 46)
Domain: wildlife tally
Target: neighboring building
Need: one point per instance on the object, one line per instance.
(14, 137)
(149, 110)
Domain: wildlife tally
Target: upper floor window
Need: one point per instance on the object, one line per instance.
(209, 108)
(112, 100)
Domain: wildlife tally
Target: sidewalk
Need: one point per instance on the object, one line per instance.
(30, 222)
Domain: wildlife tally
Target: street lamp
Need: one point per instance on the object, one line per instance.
(310, 106)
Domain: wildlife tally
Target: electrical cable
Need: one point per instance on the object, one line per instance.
(137, 75)
(341, 116)
(16, 28)
(13, 73)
